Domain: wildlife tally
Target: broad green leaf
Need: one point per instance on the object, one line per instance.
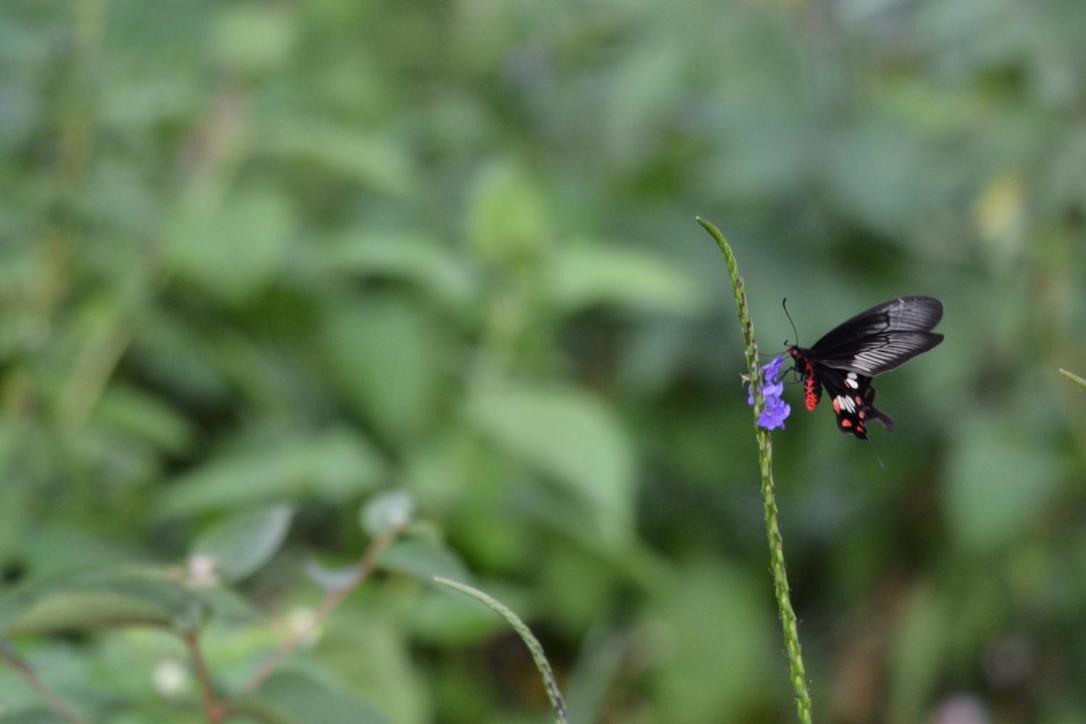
(289, 697)
(997, 485)
(507, 221)
(232, 246)
(228, 606)
(252, 37)
(331, 466)
(175, 356)
(84, 601)
(585, 275)
(424, 560)
(570, 435)
(243, 543)
(385, 356)
(423, 261)
(331, 578)
(370, 650)
(142, 416)
(350, 152)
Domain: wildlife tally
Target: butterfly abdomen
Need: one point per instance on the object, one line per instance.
(812, 391)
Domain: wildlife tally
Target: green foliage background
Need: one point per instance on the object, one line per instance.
(272, 252)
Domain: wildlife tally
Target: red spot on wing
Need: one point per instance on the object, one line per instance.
(847, 423)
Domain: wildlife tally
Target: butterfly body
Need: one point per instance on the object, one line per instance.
(845, 359)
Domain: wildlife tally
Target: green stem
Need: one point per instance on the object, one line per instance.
(765, 460)
(1073, 377)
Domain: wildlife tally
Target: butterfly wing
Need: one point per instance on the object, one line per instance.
(881, 338)
(853, 400)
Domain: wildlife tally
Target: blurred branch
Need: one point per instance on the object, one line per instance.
(332, 601)
(765, 459)
(50, 697)
(526, 635)
(216, 712)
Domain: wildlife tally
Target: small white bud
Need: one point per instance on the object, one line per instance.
(383, 512)
(170, 678)
(201, 570)
(303, 621)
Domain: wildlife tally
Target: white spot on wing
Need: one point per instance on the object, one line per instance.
(845, 402)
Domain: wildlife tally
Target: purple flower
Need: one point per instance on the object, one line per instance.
(775, 410)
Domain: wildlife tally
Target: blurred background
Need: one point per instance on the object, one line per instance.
(305, 252)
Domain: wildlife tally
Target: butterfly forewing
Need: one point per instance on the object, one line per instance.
(881, 338)
(878, 353)
(904, 314)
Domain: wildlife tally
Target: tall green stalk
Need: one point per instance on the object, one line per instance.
(765, 461)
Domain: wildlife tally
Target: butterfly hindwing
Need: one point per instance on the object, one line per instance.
(853, 400)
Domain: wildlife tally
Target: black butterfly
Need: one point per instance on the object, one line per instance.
(846, 358)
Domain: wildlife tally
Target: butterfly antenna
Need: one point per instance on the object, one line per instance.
(784, 303)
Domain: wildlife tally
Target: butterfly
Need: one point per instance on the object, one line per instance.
(845, 359)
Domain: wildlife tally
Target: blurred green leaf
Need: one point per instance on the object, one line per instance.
(920, 643)
(142, 416)
(424, 560)
(243, 543)
(229, 606)
(289, 697)
(384, 356)
(716, 642)
(352, 153)
(998, 484)
(585, 275)
(372, 652)
(232, 247)
(598, 665)
(423, 261)
(507, 220)
(332, 466)
(32, 715)
(253, 37)
(571, 436)
(85, 601)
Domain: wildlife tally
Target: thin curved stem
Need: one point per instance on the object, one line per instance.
(60, 707)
